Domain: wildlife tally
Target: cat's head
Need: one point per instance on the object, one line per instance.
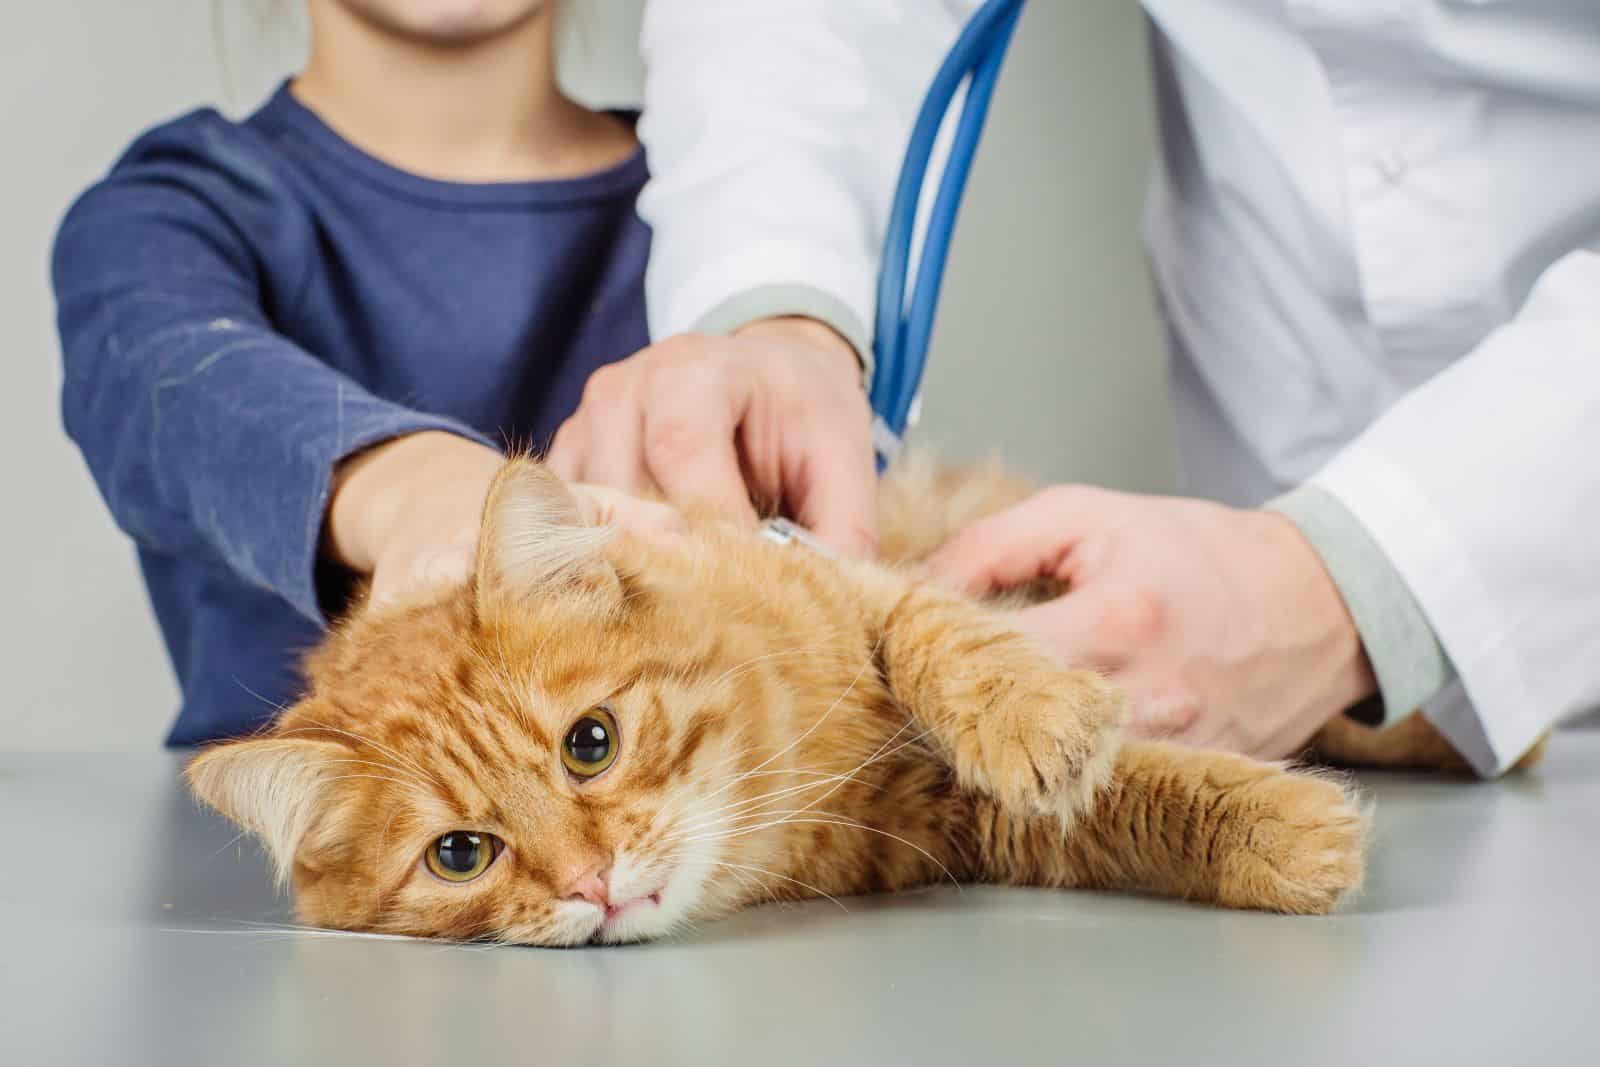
(555, 754)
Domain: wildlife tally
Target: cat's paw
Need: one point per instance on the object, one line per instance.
(1304, 846)
(1040, 742)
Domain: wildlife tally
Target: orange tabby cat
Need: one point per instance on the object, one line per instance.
(603, 739)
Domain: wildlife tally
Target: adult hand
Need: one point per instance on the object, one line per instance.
(1222, 625)
(408, 511)
(775, 413)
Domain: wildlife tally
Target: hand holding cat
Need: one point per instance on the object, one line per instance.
(408, 511)
(775, 413)
(1221, 624)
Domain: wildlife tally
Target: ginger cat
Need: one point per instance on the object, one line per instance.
(600, 739)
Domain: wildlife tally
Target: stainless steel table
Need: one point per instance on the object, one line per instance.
(138, 931)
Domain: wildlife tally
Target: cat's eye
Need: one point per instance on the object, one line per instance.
(461, 855)
(591, 743)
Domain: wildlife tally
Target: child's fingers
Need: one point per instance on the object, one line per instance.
(397, 580)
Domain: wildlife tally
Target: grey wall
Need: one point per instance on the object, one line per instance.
(1046, 351)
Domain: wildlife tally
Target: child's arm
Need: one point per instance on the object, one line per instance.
(208, 432)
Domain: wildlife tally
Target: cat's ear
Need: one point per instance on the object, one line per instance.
(272, 787)
(534, 539)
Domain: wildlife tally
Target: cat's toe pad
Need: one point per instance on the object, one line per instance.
(1304, 848)
(1041, 748)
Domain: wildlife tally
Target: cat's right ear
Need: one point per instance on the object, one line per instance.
(271, 787)
(534, 539)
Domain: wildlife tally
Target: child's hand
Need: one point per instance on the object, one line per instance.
(407, 512)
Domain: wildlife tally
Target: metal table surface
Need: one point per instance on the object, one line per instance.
(137, 931)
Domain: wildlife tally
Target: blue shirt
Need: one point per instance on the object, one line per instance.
(242, 305)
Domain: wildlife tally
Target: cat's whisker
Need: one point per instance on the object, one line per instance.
(236, 839)
(815, 774)
(838, 821)
(722, 811)
(777, 794)
(882, 752)
(286, 930)
(316, 726)
(813, 727)
(774, 874)
(375, 777)
(402, 772)
(751, 821)
(746, 881)
(686, 791)
(265, 700)
(753, 660)
(823, 778)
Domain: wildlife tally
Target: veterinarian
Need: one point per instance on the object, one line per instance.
(1374, 231)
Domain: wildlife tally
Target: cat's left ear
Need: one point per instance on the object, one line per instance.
(272, 787)
(534, 540)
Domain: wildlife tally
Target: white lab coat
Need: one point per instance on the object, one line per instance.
(1376, 234)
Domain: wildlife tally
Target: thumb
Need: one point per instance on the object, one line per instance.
(1069, 628)
(1028, 540)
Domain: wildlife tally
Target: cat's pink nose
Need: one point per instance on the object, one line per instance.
(591, 886)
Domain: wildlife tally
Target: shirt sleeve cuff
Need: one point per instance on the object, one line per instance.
(1406, 656)
(778, 300)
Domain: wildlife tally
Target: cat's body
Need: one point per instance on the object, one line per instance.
(776, 724)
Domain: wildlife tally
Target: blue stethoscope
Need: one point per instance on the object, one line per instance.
(905, 320)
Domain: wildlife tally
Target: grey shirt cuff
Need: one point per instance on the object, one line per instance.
(774, 301)
(1410, 664)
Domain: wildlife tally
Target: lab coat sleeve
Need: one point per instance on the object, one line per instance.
(775, 130)
(209, 434)
(1483, 488)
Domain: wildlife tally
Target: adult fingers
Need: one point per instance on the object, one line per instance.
(656, 522)
(691, 413)
(837, 494)
(564, 457)
(614, 450)
(603, 442)
(1028, 540)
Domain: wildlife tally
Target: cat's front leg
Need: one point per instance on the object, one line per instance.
(1011, 722)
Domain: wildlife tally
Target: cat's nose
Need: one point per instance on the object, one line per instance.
(591, 886)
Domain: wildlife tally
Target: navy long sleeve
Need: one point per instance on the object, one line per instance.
(242, 305)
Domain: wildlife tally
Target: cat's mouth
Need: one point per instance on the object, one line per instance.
(628, 919)
(616, 912)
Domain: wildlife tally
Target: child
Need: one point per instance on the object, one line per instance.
(291, 343)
